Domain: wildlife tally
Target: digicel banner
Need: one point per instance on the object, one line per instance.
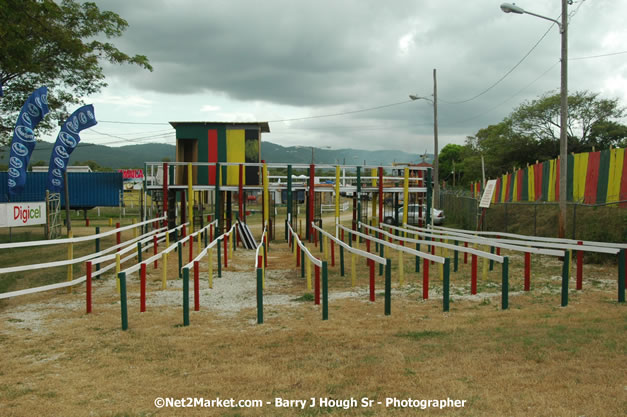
(22, 214)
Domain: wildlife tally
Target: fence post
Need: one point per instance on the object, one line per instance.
(180, 251)
(218, 260)
(142, 288)
(527, 271)
(118, 237)
(456, 258)
(565, 267)
(388, 286)
(446, 284)
(139, 252)
(185, 296)
(70, 255)
(302, 261)
(123, 309)
(325, 291)
(425, 279)
(341, 260)
(621, 276)
(372, 282)
(196, 287)
(505, 284)
(88, 286)
(317, 284)
(97, 246)
(579, 267)
(259, 296)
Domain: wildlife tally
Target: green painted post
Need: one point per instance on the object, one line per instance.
(388, 286)
(418, 258)
(491, 260)
(350, 239)
(139, 252)
(381, 255)
(123, 307)
(320, 240)
(186, 297)
(325, 292)
(259, 296)
(97, 246)
(180, 251)
(505, 284)
(455, 258)
(205, 237)
(446, 284)
(219, 258)
(621, 276)
(302, 263)
(361, 239)
(429, 197)
(341, 260)
(565, 268)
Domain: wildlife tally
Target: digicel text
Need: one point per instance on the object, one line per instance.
(26, 213)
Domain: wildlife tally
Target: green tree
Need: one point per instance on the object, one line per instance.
(448, 158)
(58, 44)
(540, 119)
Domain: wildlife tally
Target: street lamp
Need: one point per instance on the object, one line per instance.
(436, 183)
(563, 25)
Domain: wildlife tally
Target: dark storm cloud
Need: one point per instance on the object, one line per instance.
(328, 56)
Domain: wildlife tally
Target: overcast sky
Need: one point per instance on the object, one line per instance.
(237, 60)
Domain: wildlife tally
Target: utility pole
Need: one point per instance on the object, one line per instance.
(436, 183)
(563, 120)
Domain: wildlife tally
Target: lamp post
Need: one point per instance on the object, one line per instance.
(563, 25)
(436, 183)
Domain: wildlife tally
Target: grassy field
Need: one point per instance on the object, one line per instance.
(535, 359)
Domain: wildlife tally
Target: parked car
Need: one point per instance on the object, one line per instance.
(412, 215)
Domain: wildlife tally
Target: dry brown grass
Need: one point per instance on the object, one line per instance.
(535, 359)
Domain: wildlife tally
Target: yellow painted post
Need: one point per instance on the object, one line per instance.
(353, 270)
(294, 247)
(117, 271)
(484, 272)
(70, 256)
(326, 247)
(135, 231)
(440, 266)
(570, 262)
(401, 268)
(110, 221)
(405, 195)
(266, 205)
(190, 198)
(337, 196)
(210, 266)
(308, 271)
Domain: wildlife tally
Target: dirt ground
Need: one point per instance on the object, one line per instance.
(534, 359)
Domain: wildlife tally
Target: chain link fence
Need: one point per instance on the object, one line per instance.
(599, 222)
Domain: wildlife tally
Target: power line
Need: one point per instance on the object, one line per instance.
(507, 73)
(597, 56)
(342, 113)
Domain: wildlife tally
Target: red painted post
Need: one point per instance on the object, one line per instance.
(579, 267)
(371, 264)
(226, 253)
(260, 261)
(527, 271)
(498, 250)
(142, 288)
(155, 247)
(86, 222)
(466, 253)
(473, 275)
(211, 233)
(425, 279)
(432, 253)
(241, 192)
(332, 253)
(191, 248)
(317, 285)
(88, 287)
(118, 236)
(297, 258)
(183, 233)
(196, 288)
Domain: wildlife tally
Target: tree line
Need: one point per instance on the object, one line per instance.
(531, 133)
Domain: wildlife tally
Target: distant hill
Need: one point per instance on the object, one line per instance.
(134, 156)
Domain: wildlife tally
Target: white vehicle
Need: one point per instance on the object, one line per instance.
(413, 213)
